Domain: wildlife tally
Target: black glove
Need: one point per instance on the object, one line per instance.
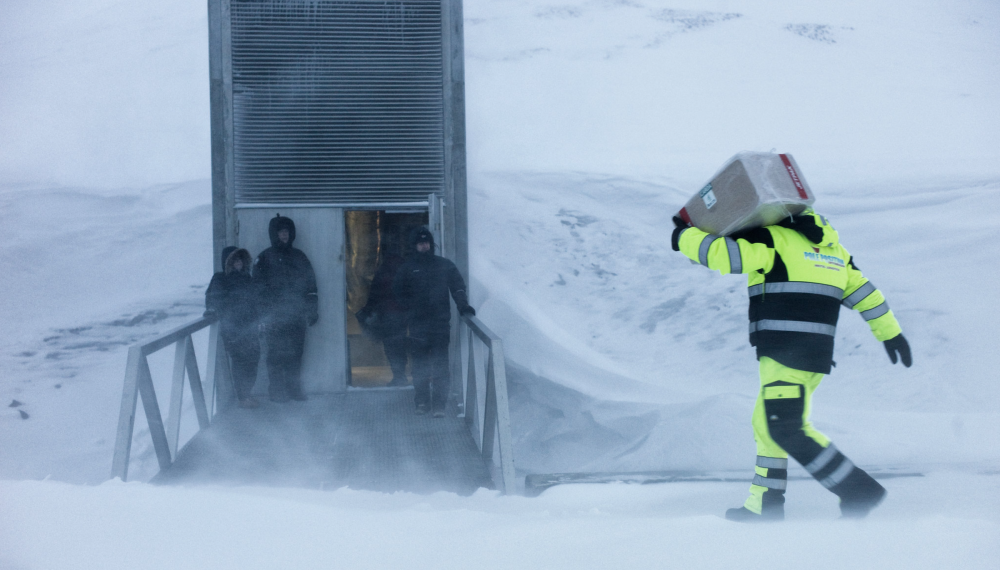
(209, 314)
(466, 311)
(898, 344)
(681, 225)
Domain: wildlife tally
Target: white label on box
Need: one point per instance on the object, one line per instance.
(708, 196)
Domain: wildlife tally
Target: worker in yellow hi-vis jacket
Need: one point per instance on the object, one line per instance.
(798, 275)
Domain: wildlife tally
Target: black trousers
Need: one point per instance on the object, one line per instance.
(394, 342)
(244, 354)
(431, 380)
(285, 342)
(395, 353)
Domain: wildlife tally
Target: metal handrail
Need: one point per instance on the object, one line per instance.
(495, 425)
(492, 434)
(139, 383)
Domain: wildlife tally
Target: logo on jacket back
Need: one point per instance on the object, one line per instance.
(815, 255)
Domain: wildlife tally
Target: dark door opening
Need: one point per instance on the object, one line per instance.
(375, 245)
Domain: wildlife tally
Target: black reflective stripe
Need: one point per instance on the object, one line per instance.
(735, 259)
(821, 460)
(706, 243)
(839, 474)
(779, 484)
(796, 287)
(772, 462)
(792, 326)
(874, 313)
(859, 295)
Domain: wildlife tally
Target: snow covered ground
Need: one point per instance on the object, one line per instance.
(589, 123)
(115, 525)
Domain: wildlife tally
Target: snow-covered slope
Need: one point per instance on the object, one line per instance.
(611, 313)
(589, 124)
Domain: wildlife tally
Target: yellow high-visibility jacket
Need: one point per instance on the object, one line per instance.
(796, 288)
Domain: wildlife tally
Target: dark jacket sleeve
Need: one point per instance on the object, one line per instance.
(214, 295)
(261, 279)
(457, 287)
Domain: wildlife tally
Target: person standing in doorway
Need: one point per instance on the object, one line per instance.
(383, 315)
(233, 297)
(290, 304)
(422, 286)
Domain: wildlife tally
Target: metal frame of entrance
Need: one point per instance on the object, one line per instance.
(224, 186)
(343, 80)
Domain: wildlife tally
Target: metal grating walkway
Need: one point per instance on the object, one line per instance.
(368, 439)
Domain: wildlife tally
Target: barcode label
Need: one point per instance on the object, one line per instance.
(708, 196)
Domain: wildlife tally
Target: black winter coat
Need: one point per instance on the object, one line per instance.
(422, 286)
(235, 300)
(286, 279)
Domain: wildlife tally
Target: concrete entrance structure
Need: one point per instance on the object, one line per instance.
(319, 107)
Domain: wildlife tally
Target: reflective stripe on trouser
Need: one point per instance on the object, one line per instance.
(778, 382)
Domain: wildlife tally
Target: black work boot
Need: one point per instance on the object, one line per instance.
(859, 493)
(772, 509)
(742, 514)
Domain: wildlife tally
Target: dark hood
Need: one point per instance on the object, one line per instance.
(226, 252)
(277, 224)
(240, 255)
(418, 235)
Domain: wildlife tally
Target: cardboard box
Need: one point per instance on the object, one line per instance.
(753, 189)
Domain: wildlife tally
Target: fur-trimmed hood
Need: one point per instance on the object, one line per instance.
(238, 255)
(226, 252)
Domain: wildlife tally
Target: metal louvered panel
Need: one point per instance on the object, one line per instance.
(337, 100)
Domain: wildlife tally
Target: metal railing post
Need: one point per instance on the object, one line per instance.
(176, 396)
(501, 408)
(126, 415)
(489, 413)
(493, 434)
(197, 393)
(472, 393)
(149, 404)
(139, 384)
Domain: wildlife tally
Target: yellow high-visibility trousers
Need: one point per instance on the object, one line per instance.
(784, 403)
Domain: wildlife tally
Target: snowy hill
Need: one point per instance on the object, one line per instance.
(589, 124)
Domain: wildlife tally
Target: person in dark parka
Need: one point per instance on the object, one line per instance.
(290, 304)
(422, 286)
(233, 297)
(383, 316)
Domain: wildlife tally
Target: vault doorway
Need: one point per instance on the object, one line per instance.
(376, 243)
